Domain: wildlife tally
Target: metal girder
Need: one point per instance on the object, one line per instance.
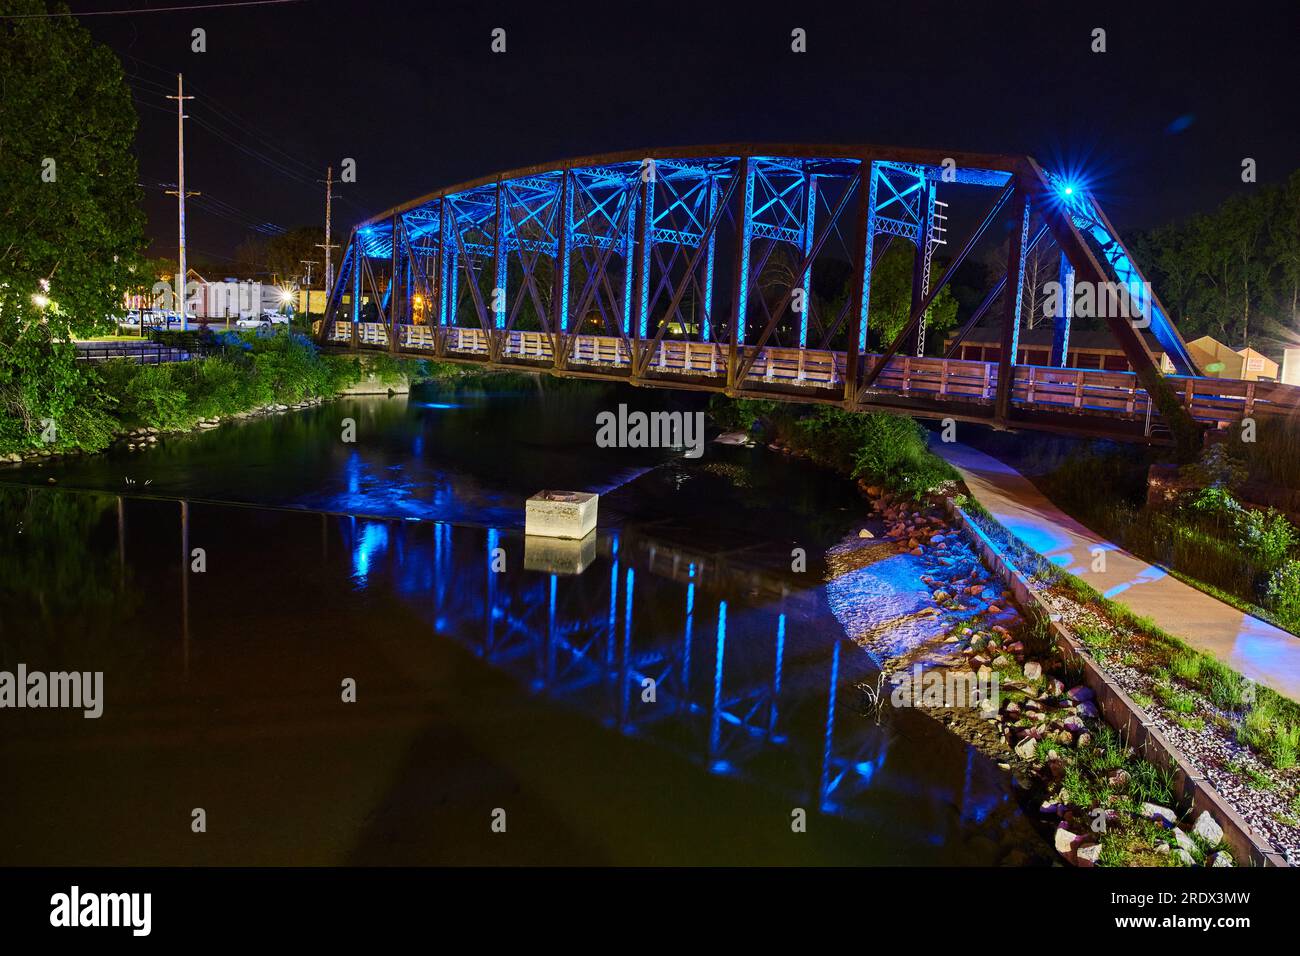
(989, 299)
(545, 214)
(974, 238)
(1010, 338)
(805, 267)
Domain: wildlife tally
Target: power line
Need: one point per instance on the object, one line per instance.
(180, 9)
(238, 122)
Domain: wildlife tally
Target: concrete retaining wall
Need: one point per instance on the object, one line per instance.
(1123, 713)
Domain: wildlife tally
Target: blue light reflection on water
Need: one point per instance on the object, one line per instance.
(533, 625)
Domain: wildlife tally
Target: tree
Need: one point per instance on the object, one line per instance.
(1242, 230)
(285, 254)
(70, 227)
(891, 297)
(1284, 247)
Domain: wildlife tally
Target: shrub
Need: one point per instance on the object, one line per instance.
(1267, 535)
(1216, 468)
(1284, 593)
(1214, 500)
(741, 414)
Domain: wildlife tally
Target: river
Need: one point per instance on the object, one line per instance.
(670, 692)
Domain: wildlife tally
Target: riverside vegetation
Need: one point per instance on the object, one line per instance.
(1242, 737)
(245, 371)
(1208, 533)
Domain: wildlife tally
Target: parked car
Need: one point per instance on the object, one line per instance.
(266, 320)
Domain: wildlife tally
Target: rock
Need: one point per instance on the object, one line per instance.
(1013, 709)
(992, 609)
(936, 539)
(1184, 841)
(1074, 725)
(915, 552)
(1153, 811)
(1222, 858)
(1085, 740)
(864, 533)
(1051, 808)
(1184, 857)
(1207, 829)
(1119, 779)
(1080, 694)
(1002, 661)
(1088, 855)
(941, 596)
(1055, 687)
(1027, 748)
(1065, 841)
(1033, 670)
(1087, 709)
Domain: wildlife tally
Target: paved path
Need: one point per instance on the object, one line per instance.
(1248, 645)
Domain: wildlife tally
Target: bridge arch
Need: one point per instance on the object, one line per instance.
(747, 270)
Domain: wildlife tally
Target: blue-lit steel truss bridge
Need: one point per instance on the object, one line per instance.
(748, 270)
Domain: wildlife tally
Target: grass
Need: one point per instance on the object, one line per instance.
(1266, 721)
(1209, 542)
(1091, 781)
(1252, 777)
(888, 450)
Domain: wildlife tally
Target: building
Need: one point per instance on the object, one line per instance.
(1257, 366)
(221, 300)
(1099, 350)
(1088, 348)
(1291, 366)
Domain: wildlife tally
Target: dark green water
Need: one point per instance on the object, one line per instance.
(521, 690)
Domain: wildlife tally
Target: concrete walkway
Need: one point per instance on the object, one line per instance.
(1248, 645)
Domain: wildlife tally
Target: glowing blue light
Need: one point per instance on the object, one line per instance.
(372, 542)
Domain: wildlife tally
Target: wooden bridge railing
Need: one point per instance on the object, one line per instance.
(960, 381)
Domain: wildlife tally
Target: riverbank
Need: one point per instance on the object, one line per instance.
(1238, 736)
(248, 374)
(1099, 802)
(952, 643)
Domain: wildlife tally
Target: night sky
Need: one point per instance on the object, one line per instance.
(1159, 123)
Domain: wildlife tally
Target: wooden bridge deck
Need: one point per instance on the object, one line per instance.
(1087, 402)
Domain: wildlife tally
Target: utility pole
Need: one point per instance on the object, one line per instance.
(329, 216)
(306, 283)
(180, 194)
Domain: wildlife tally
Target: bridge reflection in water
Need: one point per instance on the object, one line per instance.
(747, 679)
